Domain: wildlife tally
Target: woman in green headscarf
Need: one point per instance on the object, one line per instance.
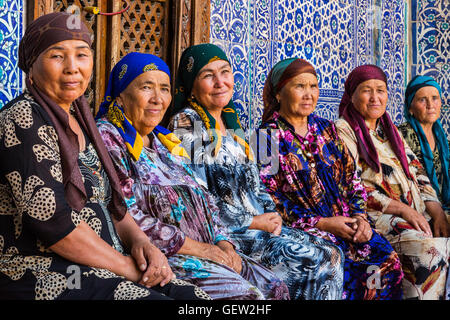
(206, 121)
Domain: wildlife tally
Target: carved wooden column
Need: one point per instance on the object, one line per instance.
(192, 26)
(200, 26)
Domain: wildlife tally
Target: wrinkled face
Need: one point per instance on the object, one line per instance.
(146, 100)
(426, 105)
(63, 71)
(370, 99)
(213, 86)
(298, 98)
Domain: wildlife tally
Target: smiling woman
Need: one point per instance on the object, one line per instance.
(146, 100)
(208, 123)
(370, 100)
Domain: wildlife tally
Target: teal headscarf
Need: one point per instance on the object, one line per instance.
(414, 85)
(124, 72)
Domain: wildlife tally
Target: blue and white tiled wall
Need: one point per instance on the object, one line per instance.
(11, 31)
(404, 37)
(335, 36)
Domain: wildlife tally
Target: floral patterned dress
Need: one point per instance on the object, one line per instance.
(169, 205)
(317, 178)
(34, 215)
(311, 267)
(424, 259)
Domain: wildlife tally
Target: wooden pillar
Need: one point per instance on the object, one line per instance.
(192, 26)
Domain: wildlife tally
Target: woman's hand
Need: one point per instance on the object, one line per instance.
(149, 259)
(363, 230)
(416, 220)
(236, 261)
(152, 262)
(269, 222)
(339, 226)
(214, 253)
(441, 227)
(222, 253)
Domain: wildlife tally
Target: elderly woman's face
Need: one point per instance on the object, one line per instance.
(298, 98)
(146, 100)
(213, 86)
(370, 99)
(426, 105)
(63, 71)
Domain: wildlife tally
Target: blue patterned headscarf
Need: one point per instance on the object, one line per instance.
(124, 72)
(414, 85)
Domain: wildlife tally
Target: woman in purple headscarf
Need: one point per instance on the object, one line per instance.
(401, 201)
(64, 229)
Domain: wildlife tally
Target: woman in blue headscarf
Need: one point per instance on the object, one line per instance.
(161, 192)
(425, 135)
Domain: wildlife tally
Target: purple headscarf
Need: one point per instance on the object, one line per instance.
(40, 35)
(366, 148)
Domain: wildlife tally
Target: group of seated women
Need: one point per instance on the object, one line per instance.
(154, 202)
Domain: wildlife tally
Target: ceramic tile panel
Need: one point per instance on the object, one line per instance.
(430, 46)
(392, 54)
(334, 35)
(11, 30)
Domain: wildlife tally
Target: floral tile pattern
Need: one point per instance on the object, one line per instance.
(334, 35)
(11, 30)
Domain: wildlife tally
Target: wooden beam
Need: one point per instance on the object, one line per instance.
(200, 22)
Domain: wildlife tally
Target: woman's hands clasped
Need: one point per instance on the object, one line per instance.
(224, 253)
(355, 229)
(269, 222)
(152, 263)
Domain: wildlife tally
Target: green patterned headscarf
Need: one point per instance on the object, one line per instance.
(192, 61)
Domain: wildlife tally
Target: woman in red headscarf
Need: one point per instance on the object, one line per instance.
(315, 186)
(401, 200)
